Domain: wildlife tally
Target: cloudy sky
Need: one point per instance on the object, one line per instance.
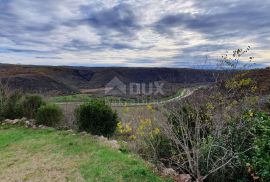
(169, 33)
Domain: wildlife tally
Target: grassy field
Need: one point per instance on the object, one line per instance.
(87, 97)
(49, 155)
(71, 98)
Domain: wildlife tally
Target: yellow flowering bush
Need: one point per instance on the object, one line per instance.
(144, 128)
(150, 107)
(124, 128)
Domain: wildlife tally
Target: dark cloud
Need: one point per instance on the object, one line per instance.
(76, 45)
(222, 20)
(48, 57)
(205, 48)
(22, 50)
(120, 18)
(28, 27)
(12, 23)
(79, 45)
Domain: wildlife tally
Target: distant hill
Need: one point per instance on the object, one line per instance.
(62, 80)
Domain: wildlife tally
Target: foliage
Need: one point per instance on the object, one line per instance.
(49, 115)
(258, 159)
(206, 142)
(31, 104)
(4, 90)
(268, 105)
(209, 147)
(239, 86)
(12, 107)
(144, 134)
(97, 118)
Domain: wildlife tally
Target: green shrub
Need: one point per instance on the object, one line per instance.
(97, 118)
(268, 105)
(3, 98)
(49, 115)
(31, 104)
(259, 157)
(11, 107)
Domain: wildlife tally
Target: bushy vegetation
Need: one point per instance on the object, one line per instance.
(31, 104)
(206, 146)
(96, 118)
(222, 136)
(49, 115)
(258, 159)
(11, 106)
(14, 105)
(10, 103)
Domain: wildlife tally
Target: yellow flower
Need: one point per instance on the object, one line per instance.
(210, 106)
(120, 127)
(149, 107)
(156, 131)
(141, 133)
(132, 137)
(128, 128)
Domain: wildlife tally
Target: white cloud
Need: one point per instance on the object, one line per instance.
(42, 32)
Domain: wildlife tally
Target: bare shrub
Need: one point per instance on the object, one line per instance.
(203, 145)
(69, 115)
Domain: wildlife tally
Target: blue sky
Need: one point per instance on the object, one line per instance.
(156, 33)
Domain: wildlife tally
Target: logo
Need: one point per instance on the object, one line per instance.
(115, 87)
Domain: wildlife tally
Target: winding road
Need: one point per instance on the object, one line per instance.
(186, 92)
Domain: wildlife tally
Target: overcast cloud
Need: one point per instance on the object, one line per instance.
(154, 33)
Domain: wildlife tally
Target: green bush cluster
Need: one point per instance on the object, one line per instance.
(96, 118)
(11, 106)
(31, 104)
(259, 157)
(49, 115)
(16, 105)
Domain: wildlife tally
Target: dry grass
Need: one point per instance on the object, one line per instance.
(17, 163)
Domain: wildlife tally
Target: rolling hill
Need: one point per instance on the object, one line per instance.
(50, 80)
(63, 80)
